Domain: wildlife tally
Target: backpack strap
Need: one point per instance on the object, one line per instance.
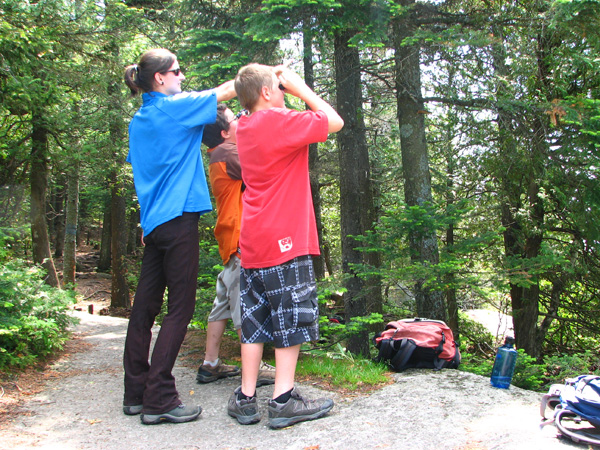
(406, 347)
(386, 350)
(564, 415)
(438, 362)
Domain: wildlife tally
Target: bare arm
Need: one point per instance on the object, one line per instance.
(225, 91)
(295, 85)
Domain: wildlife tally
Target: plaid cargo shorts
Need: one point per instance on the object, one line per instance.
(279, 304)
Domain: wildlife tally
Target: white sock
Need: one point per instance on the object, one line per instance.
(211, 363)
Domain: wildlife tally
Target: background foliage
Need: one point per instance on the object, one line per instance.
(506, 105)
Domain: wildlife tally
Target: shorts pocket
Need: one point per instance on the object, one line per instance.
(305, 306)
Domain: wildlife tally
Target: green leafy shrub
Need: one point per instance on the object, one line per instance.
(475, 339)
(528, 373)
(33, 315)
(210, 267)
(560, 367)
(476, 364)
(478, 351)
(333, 328)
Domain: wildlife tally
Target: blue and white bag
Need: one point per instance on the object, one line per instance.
(575, 402)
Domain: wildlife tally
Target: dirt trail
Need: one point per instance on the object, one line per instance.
(422, 410)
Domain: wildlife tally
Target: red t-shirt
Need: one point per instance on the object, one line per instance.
(278, 219)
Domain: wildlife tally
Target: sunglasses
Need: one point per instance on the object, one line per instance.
(176, 72)
(281, 87)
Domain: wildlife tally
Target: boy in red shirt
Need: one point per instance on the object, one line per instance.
(278, 237)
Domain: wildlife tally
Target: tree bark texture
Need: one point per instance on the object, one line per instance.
(70, 260)
(415, 160)
(356, 201)
(313, 154)
(38, 184)
(519, 191)
(105, 245)
(134, 238)
(451, 297)
(56, 226)
(120, 289)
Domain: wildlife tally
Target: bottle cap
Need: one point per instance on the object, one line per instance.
(509, 340)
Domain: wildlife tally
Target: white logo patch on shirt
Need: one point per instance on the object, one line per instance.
(285, 244)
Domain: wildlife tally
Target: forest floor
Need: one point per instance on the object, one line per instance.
(73, 401)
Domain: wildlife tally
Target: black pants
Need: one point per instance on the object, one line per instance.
(170, 261)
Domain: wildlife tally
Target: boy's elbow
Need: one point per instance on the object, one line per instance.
(336, 125)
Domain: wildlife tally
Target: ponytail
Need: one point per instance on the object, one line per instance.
(140, 77)
(131, 79)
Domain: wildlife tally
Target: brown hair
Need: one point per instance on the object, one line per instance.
(211, 137)
(249, 82)
(140, 77)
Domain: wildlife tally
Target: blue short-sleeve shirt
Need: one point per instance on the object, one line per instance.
(165, 135)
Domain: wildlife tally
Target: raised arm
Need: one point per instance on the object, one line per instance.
(295, 85)
(225, 91)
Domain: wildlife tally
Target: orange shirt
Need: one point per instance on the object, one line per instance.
(226, 181)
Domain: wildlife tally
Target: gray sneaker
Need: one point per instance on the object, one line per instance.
(132, 410)
(179, 414)
(266, 374)
(297, 409)
(245, 411)
(206, 373)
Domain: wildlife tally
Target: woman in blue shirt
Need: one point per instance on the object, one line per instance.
(164, 151)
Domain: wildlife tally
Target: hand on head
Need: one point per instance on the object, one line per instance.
(281, 67)
(290, 80)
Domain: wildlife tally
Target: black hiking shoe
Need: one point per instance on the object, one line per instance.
(245, 411)
(179, 414)
(297, 409)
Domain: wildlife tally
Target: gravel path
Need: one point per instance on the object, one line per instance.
(423, 410)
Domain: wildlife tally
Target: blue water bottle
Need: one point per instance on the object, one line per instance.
(504, 365)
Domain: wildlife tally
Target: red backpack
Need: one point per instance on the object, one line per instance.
(420, 343)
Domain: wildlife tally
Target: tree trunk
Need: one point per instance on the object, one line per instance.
(524, 300)
(356, 201)
(415, 160)
(451, 300)
(38, 184)
(313, 153)
(56, 227)
(134, 238)
(523, 233)
(523, 242)
(105, 245)
(70, 260)
(120, 289)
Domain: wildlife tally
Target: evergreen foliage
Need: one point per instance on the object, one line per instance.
(34, 317)
(511, 119)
